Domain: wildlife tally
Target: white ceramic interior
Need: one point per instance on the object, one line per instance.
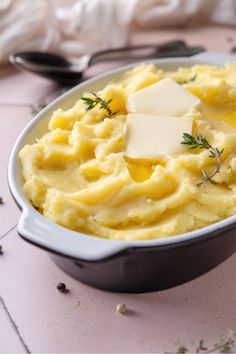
(36, 228)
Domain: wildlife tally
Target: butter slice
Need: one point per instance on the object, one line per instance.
(152, 137)
(166, 97)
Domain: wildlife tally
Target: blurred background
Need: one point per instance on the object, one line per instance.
(76, 27)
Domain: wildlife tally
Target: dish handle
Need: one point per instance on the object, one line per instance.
(36, 229)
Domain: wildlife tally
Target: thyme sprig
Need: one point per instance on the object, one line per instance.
(91, 102)
(200, 142)
(225, 344)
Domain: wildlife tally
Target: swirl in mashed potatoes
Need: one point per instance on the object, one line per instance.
(76, 175)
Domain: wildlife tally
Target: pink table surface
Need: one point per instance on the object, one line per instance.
(35, 317)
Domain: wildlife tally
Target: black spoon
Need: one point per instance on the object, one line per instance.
(63, 71)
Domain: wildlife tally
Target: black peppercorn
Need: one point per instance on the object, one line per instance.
(62, 288)
(233, 50)
(1, 252)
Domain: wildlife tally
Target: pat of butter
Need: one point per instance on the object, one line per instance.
(165, 97)
(152, 137)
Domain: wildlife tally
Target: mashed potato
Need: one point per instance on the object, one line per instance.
(76, 174)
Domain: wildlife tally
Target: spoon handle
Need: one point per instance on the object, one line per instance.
(136, 52)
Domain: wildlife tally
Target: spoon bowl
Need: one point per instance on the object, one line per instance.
(48, 65)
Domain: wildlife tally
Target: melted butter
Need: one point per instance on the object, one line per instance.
(140, 171)
(228, 116)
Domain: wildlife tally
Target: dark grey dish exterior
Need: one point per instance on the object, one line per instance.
(145, 269)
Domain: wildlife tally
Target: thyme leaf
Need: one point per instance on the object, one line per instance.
(35, 109)
(201, 347)
(192, 79)
(181, 349)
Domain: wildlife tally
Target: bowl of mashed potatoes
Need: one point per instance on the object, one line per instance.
(129, 179)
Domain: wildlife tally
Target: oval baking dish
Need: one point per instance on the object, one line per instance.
(122, 266)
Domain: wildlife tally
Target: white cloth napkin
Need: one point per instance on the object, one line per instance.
(74, 27)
